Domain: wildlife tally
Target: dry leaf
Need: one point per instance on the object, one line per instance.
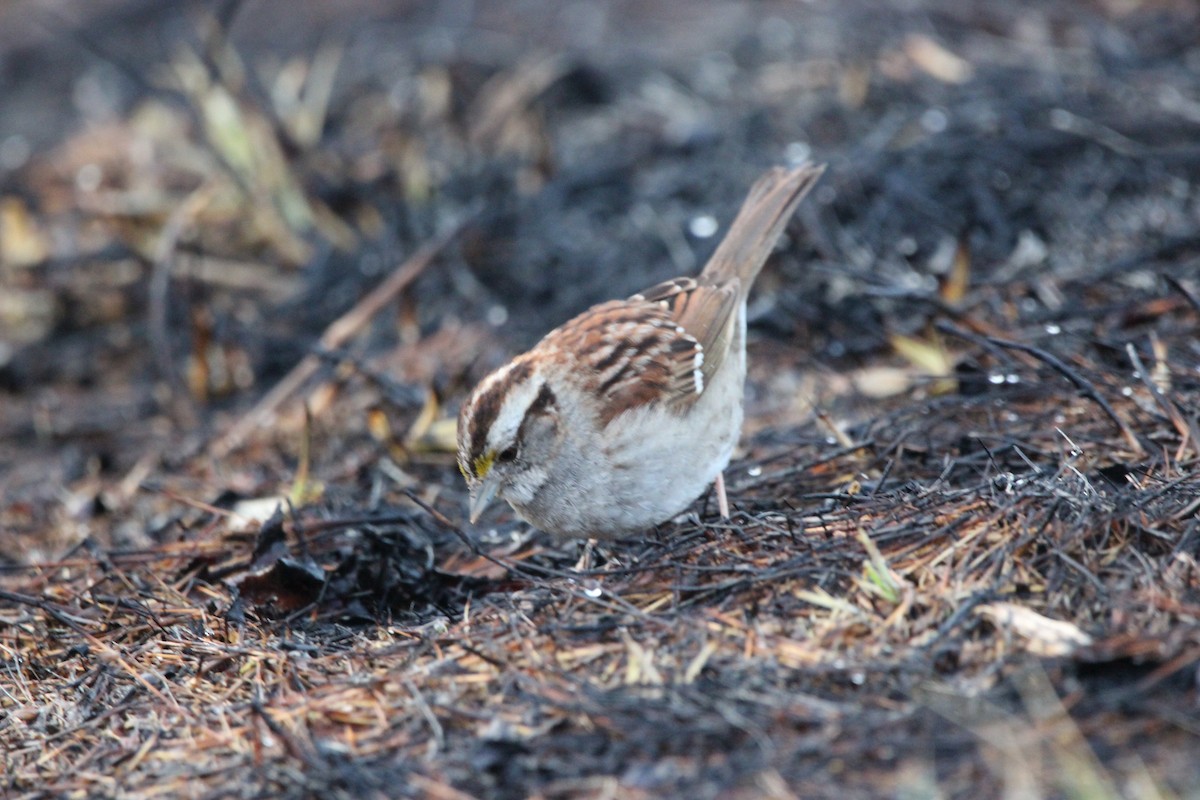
(22, 243)
(936, 60)
(954, 287)
(1045, 636)
(928, 356)
(882, 382)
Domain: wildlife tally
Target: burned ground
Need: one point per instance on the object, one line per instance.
(254, 261)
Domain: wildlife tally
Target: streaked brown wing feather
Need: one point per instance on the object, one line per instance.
(666, 344)
(656, 347)
(706, 312)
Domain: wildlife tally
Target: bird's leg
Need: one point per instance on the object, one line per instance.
(722, 500)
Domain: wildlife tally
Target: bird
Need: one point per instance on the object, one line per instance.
(619, 419)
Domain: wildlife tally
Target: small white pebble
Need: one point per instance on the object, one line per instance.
(703, 226)
(497, 315)
(934, 120)
(797, 152)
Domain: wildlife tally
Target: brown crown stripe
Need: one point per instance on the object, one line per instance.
(487, 406)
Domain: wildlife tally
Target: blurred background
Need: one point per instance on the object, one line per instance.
(192, 193)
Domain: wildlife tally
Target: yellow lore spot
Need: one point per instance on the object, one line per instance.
(483, 463)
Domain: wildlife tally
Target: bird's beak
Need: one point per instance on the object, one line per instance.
(482, 496)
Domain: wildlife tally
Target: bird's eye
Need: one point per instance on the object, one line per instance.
(508, 455)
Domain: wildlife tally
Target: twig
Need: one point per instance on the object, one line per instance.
(1085, 388)
(337, 334)
(439, 735)
(1169, 409)
(299, 749)
(1184, 290)
(99, 645)
(797, 469)
(159, 301)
